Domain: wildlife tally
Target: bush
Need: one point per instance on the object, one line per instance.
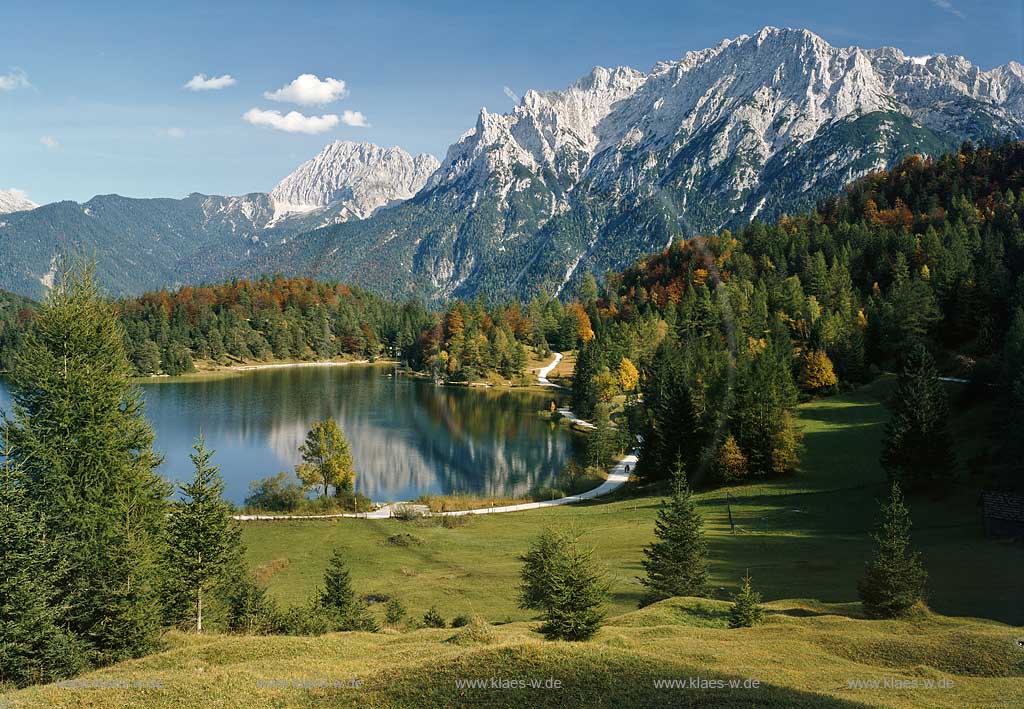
(278, 493)
(460, 621)
(249, 610)
(311, 619)
(433, 619)
(404, 540)
(475, 632)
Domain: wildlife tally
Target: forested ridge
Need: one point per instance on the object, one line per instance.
(728, 331)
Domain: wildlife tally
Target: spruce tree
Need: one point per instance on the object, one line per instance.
(338, 598)
(204, 544)
(561, 579)
(35, 645)
(86, 451)
(676, 564)
(918, 449)
(746, 610)
(895, 579)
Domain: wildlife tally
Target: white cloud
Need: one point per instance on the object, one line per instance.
(950, 8)
(16, 79)
(176, 133)
(292, 122)
(200, 82)
(513, 96)
(355, 119)
(50, 142)
(309, 90)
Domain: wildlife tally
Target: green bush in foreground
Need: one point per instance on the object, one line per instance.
(433, 619)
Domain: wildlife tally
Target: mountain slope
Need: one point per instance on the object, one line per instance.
(143, 244)
(622, 162)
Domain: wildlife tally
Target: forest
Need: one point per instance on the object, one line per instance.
(916, 268)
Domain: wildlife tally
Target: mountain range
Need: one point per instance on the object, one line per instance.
(568, 182)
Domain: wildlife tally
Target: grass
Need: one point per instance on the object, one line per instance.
(805, 655)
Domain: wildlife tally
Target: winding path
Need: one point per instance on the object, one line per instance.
(617, 477)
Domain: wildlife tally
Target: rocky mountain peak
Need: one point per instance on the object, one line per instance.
(15, 201)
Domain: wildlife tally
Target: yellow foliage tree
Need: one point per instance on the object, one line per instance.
(817, 372)
(629, 377)
(732, 464)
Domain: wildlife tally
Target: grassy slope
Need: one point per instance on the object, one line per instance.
(804, 655)
(799, 538)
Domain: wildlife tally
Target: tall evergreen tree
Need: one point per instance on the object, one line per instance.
(895, 579)
(676, 564)
(79, 435)
(35, 644)
(918, 449)
(204, 544)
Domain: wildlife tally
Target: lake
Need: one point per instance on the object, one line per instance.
(408, 436)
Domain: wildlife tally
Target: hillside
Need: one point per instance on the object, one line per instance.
(145, 244)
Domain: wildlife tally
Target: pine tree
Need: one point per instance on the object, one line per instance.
(339, 599)
(35, 645)
(86, 451)
(250, 610)
(918, 449)
(204, 543)
(676, 564)
(746, 610)
(895, 579)
(561, 579)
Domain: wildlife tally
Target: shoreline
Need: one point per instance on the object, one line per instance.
(236, 369)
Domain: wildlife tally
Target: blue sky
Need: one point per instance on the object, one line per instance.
(95, 100)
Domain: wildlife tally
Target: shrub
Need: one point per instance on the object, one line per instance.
(433, 619)
(460, 621)
(278, 493)
(475, 632)
(404, 540)
(249, 610)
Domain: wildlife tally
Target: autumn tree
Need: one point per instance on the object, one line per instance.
(817, 372)
(327, 458)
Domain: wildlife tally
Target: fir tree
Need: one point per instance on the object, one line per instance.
(746, 610)
(204, 544)
(561, 579)
(394, 611)
(339, 599)
(676, 564)
(918, 449)
(433, 619)
(35, 645)
(250, 610)
(895, 579)
(86, 451)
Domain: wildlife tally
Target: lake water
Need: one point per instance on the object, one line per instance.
(408, 436)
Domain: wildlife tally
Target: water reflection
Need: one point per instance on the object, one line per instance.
(408, 436)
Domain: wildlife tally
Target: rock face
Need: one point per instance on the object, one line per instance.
(353, 179)
(622, 162)
(15, 201)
